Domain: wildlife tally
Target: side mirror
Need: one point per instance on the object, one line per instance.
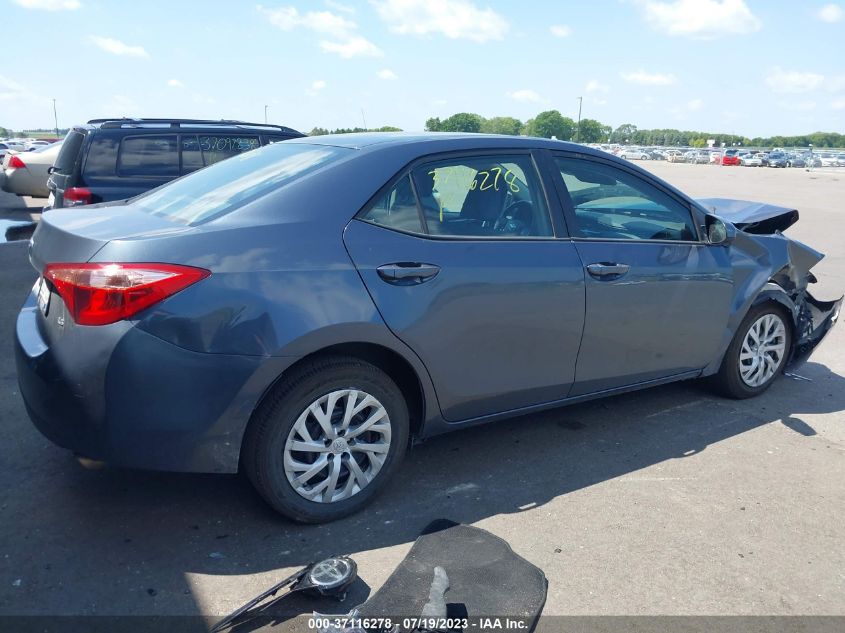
(719, 231)
(51, 170)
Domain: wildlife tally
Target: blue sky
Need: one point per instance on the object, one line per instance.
(756, 67)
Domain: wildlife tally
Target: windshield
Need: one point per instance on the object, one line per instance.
(232, 183)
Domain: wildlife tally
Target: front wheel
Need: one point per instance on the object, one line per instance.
(757, 354)
(327, 439)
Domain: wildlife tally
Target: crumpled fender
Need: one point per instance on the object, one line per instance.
(773, 267)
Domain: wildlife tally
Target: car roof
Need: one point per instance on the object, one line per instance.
(442, 141)
(158, 125)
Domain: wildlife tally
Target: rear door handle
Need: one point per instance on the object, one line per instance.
(407, 272)
(605, 270)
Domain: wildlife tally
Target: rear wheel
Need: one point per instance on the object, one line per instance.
(327, 439)
(757, 354)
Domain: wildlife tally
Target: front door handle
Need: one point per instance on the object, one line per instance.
(605, 270)
(407, 273)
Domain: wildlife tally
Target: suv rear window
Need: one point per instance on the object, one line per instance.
(69, 152)
(228, 185)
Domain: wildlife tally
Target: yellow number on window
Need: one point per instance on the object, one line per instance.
(510, 178)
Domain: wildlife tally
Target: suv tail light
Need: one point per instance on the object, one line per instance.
(16, 163)
(99, 294)
(76, 196)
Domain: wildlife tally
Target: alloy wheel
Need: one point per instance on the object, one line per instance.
(763, 350)
(337, 446)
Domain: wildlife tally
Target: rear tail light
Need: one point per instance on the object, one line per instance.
(16, 163)
(99, 294)
(76, 196)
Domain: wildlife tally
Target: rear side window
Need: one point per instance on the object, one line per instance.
(217, 147)
(150, 155)
(69, 152)
(226, 186)
(102, 157)
(396, 209)
(496, 196)
(191, 154)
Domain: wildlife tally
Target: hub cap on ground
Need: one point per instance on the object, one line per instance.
(337, 446)
(762, 350)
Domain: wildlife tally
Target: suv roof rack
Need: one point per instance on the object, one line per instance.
(177, 123)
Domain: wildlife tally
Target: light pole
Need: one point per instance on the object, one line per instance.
(55, 118)
(265, 114)
(578, 129)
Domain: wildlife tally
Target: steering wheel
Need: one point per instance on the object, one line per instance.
(507, 220)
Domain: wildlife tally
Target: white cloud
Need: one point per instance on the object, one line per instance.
(456, 19)
(594, 85)
(352, 47)
(560, 30)
(346, 43)
(701, 19)
(315, 88)
(387, 74)
(839, 104)
(525, 96)
(289, 18)
(116, 47)
(49, 5)
(11, 90)
(175, 83)
(830, 13)
(793, 81)
(835, 83)
(648, 79)
(337, 6)
(695, 105)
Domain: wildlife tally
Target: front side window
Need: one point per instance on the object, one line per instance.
(491, 196)
(611, 203)
(153, 156)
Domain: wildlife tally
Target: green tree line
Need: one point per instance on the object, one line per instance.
(321, 131)
(553, 123)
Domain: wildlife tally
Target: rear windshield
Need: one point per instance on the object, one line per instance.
(69, 152)
(232, 183)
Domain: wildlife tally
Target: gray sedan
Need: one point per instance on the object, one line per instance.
(306, 310)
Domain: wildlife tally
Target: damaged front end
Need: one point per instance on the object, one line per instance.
(770, 266)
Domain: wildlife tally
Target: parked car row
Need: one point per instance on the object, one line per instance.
(733, 156)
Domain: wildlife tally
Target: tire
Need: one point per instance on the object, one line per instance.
(272, 464)
(736, 378)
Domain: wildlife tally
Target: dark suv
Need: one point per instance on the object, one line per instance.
(114, 159)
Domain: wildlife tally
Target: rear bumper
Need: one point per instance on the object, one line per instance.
(133, 400)
(817, 320)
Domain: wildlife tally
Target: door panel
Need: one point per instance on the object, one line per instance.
(658, 299)
(665, 315)
(497, 324)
